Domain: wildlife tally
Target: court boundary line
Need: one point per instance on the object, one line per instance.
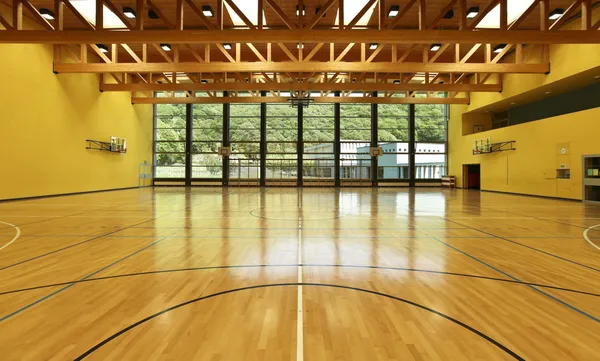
(585, 236)
(526, 246)
(307, 284)
(14, 238)
(99, 236)
(40, 300)
(566, 304)
(383, 268)
(14, 313)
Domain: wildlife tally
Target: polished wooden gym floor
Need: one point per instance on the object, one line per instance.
(290, 274)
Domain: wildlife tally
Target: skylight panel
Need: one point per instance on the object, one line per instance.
(515, 8)
(248, 8)
(352, 8)
(87, 9)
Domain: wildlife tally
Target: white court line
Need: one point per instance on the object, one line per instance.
(585, 235)
(300, 327)
(15, 237)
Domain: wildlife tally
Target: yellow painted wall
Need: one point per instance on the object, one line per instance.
(531, 169)
(45, 120)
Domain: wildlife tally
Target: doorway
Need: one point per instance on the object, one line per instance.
(471, 176)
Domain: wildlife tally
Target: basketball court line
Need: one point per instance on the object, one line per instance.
(593, 318)
(323, 285)
(529, 247)
(17, 235)
(91, 239)
(40, 300)
(585, 235)
(517, 243)
(383, 268)
(300, 317)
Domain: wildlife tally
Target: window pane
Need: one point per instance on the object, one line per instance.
(169, 146)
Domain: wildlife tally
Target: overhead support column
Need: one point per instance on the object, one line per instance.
(226, 139)
(189, 121)
(263, 141)
(337, 138)
(374, 142)
(300, 146)
(411, 146)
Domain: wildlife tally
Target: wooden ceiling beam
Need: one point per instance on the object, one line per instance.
(442, 13)
(360, 14)
(567, 14)
(375, 67)
(483, 14)
(286, 20)
(304, 36)
(240, 13)
(160, 14)
(523, 16)
(304, 86)
(36, 15)
(325, 99)
(321, 12)
(401, 14)
(5, 22)
(200, 14)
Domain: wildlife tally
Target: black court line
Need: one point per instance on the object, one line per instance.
(70, 215)
(96, 237)
(189, 269)
(526, 246)
(566, 304)
(425, 308)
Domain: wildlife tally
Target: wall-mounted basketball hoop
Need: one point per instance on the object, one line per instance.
(376, 152)
(224, 151)
(302, 99)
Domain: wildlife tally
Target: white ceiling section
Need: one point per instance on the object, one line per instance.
(352, 8)
(87, 8)
(515, 8)
(248, 8)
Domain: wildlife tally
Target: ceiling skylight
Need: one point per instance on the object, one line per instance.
(87, 8)
(352, 8)
(248, 8)
(515, 8)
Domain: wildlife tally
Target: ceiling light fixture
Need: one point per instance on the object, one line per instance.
(298, 10)
(499, 48)
(556, 14)
(227, 46)
(300, 45)
(449, 14)
(472, 13)
(129, 12)
(203, 81)
(165, 47)
(103, 48)
(47, 14)
(207, 11)
(373, 46)
(394, 10)
(396, 81)
(435, 47)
